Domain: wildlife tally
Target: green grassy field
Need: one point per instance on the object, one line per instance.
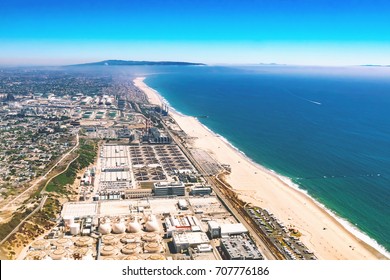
(86, 155)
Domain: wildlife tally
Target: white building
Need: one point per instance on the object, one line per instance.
(184, 240)
(232, 229)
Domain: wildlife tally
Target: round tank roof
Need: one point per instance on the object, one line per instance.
(81, 251)
(59, 254)
(109, 240)
(152, 247)
(131, 258)
(156, 257)
(40, 244)
(129, 238)
(84, 241)
(130, 248)
(63, 242)
(150, 237)
(107, 250)
(36, 255)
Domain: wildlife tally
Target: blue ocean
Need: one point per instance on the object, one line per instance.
(328, 129)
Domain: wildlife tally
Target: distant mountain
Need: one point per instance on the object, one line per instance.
(133, 63)
(375, 65)
(272, 64)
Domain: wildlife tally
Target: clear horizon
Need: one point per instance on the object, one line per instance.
(301, 32)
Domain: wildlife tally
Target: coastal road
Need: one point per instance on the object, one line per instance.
(265, 251)
(13, 201)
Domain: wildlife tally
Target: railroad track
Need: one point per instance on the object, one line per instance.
(268, 249)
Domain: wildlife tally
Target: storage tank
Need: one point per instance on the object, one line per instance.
(109, 240)
(151, 225)
(105, 227)
(62, 242)
(152, 247)
(130, 238)
(131, 248)
(107, 250)
(119, 226)
(84, 241)
(80, 253)
(156, 257)
(59, 254)
(36, 255)
(40, 244)
(151, 237)
(131, 258)
(133, 226)
(74, 229)
(152, 218)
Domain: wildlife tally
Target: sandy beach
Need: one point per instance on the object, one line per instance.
(321, 232)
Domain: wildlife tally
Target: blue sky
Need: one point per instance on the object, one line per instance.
(316, 32)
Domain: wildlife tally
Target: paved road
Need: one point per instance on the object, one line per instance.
(267, 254)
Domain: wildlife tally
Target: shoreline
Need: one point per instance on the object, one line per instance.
(326, 234)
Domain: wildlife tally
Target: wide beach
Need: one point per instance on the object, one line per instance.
(321, 232)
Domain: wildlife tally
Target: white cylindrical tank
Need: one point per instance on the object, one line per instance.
(134, 226)
(145, 218)
(74, 229)
(151, 226)
(105, 227)
(119, 226)
(152, 218)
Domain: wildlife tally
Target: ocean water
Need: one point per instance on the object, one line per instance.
(328, 129)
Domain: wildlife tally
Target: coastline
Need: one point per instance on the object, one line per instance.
(327, 235)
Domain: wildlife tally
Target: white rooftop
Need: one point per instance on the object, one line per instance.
(190, 237)
(213, 224)
(71, 209)
(228, 229)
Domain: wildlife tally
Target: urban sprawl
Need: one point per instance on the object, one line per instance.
(90, 170)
